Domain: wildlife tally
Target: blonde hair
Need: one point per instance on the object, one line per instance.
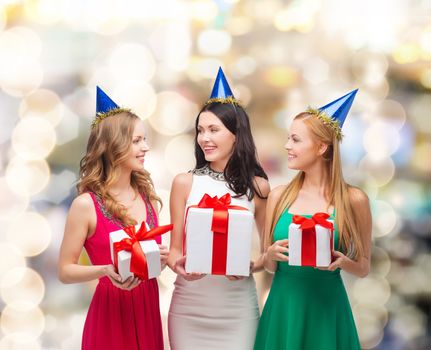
(337, 190)
(108, 147)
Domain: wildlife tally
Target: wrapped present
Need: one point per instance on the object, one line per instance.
(311, 240)
(134, 251)
(218, 237)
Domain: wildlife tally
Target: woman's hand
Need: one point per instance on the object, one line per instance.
(164, 253)
(339, 262)
(179, 268)
(116, 280)
(276, 251)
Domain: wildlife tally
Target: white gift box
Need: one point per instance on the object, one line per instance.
(150, 249)
(199, 241)
(322, 252)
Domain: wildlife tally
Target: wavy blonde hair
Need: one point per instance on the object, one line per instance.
(337, 190)
(108, 147)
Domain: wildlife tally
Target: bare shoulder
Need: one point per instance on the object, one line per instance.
(276, 192)
(183, 179)
(82, 203)
(358, 198)
(262, 185)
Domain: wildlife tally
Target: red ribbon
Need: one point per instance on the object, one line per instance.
(308, 226)
(138, 262)
(219, 226)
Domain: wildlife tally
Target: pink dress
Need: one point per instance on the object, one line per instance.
(119, 319)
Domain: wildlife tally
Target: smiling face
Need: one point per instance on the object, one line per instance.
(302, 147)
(215, 140)
(138, 148)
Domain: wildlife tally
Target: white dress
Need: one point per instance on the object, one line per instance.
(213, 313)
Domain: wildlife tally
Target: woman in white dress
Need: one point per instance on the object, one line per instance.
(211, 311)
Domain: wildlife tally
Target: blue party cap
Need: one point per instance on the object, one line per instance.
(334, 113)
(221, 92)
(105, 107)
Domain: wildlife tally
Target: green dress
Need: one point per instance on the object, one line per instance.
(307, 308)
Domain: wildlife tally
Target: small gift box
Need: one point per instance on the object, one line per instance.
(218, 237)
(311, 240)
(134, 251)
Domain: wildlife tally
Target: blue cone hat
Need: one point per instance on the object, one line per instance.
(339, 108)
(103, 102)
(105, 107)
(334, 113)
(221, 91)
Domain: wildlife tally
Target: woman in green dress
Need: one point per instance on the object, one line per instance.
(307, 307)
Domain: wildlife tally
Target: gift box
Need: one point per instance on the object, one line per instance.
(134, 252)
(218, 237)
(311, 240)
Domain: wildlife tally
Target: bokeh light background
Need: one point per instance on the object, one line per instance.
(160, 58)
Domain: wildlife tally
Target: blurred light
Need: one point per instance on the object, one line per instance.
(392, 112)
(372, 290)
(281, 76)
(422, 152)
(59, 187)
(408, 322)
(179, 154)
(10, 258)
(131, 62)
(11, 204)
(20, 72)
(370, 319)
(45, 12)
(406, 53)
(30, 233)
(370, 67)
(22, 289)
(27, 178)
(139, 96)
(381, 140)
(297, 16)
(19, 342)
(33, 138)
(106, 17)
(204, 69)
(171, 44)
(174, 114)
(164, 216)
(426, 78)
(239, 25)
(419, 112)
(381, 262)
(42, 103)
(410, 200)
(214, 42)
(245, 65)
(385, 218)
(68, 128)
(3, 18)
(243, 94)
(382, 171)
(28, 323)
(202, 10)
(22, 79)
(315, 70)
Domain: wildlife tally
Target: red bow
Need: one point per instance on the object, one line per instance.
(219, 226)
(308, 226)
(138, 262)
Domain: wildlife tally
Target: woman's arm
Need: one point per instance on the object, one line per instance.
(180, 190)
(260, 209)
(81, 220)
(361, 208)
(273, 251)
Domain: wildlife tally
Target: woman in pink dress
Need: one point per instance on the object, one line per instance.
(114, 191)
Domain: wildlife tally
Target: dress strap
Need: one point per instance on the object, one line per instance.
(151, 212)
